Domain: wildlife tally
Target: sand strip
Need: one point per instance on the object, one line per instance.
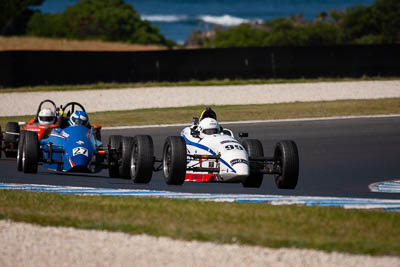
(14, 104)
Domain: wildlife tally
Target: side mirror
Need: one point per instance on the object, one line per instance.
(243, 134)
(195, 121)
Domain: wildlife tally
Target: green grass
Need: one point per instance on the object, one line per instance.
(329, 229)
(240, 112)
(44, 88)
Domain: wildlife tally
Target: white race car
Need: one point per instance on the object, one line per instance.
(205, 152)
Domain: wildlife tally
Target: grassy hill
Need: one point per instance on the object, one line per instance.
(39, 43)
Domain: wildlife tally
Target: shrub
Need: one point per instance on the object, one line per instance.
(15, 14)
(107, 20)
(375, 24)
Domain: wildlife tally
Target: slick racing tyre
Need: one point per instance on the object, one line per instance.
(254, 148)
(126, 151)
(1, 142)
(286, 158)
(12, 132)
(142, 159)
(11, 137)
(20, 150)
(174, 160)
(113, 155)
(30, 155)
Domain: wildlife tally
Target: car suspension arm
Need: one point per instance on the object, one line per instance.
(159, 167)
(52, 150)
(265, 165)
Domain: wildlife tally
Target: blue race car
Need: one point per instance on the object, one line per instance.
(76, 147)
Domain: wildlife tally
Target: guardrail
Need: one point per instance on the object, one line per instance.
(22, 68)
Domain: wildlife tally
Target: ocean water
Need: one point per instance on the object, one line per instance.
(176, 19)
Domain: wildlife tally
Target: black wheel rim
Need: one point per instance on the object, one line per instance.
(167, 161)
(19, 158)
(134, 160)
(278, 162)
(23, 159)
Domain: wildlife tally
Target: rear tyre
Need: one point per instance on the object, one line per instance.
(1, 142)
(12, 132)
(20, 150)
(254, 148)
(142, 159)
(174, 160)
(30, 155)
(11, 137)
(126, 151)
(97, 133)
(113, 155)
(287, 159)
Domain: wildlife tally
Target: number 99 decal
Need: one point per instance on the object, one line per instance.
(232, 147)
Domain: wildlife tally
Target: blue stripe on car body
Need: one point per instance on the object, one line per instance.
(188, 142)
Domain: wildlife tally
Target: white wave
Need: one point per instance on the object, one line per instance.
(165, 18)
(225, 20)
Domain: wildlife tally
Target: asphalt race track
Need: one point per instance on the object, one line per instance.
(340, 158)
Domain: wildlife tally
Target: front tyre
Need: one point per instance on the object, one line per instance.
(286, 158)
(142, 159)
(125, 167)
(20, 150)
(254, 148)
(174, 160)
(30, 154)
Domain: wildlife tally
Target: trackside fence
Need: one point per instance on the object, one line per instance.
(27, 68)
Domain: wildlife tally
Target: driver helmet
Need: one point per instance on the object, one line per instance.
(79, 118)
(208, 126)
(46, 117)
(208, 113)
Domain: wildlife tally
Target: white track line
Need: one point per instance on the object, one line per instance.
(392, 186)
(347, 203)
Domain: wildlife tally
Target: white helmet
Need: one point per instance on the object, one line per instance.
(79, 118)
(46, 117)
(208, 126)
